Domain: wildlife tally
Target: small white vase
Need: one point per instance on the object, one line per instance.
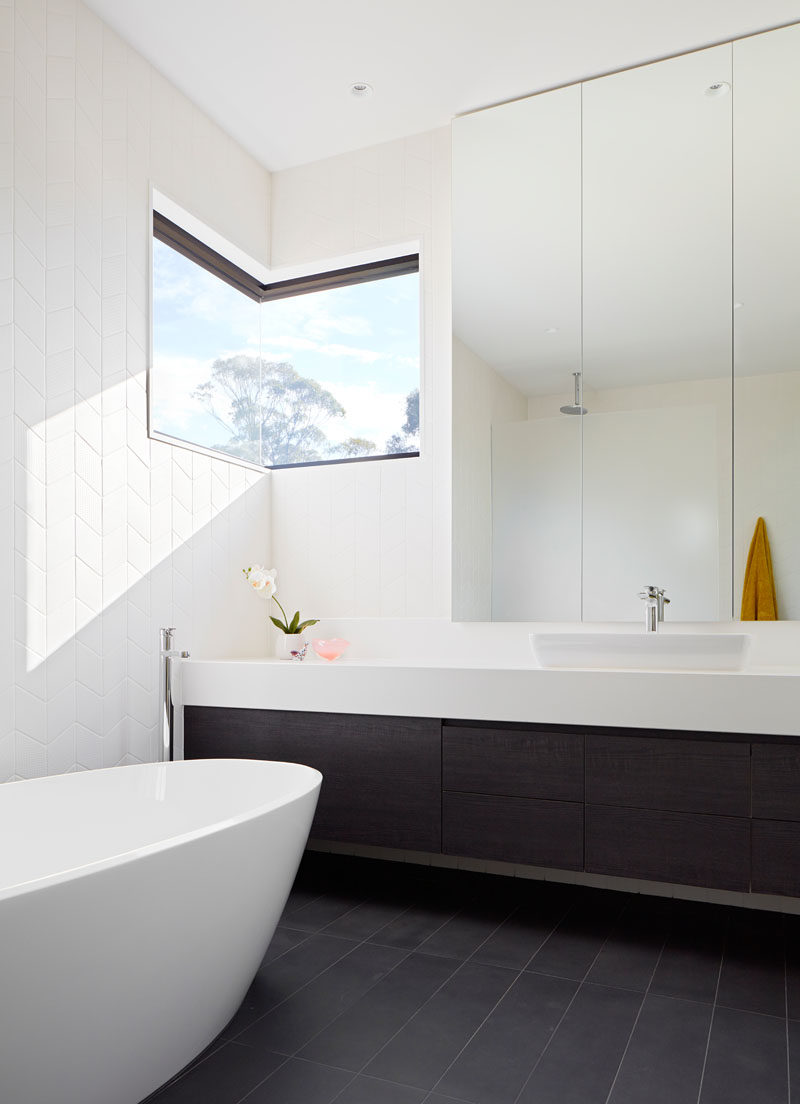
(286, 643)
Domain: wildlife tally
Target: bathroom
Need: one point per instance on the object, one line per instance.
(479, 917)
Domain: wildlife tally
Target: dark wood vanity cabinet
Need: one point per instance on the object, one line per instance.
(383, 777)
(669, 773)
(669, 809)
(701, 809)
(513, 794)
(776, 819)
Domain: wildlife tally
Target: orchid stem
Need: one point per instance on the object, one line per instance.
(283, 611)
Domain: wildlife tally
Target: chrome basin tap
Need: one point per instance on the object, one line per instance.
(654, 599)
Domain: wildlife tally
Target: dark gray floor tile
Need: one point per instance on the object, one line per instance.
(368, 917)
(519, 938)
(753, 974)
(368, 1090)
(468, 929)
(793, 966)
(630, 956)
(277, 980)
(747, 1060)
(299, 1082)
(224, 1078)
(418, 923)
(287, 1027)
(301, 896)
(496, 1062)
(664, 1060)
(690, 962)
(794, 1060)
(359, 1033)
(317, 914)
(579, 1065)
(575, 943)
(282, 941)
(420, 1053)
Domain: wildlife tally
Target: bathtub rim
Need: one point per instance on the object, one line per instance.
(121, 858)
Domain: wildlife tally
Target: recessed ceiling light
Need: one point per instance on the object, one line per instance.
(720, 88)
(360, 89)
(551, 330)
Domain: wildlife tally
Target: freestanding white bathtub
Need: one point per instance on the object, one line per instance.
(136, 904)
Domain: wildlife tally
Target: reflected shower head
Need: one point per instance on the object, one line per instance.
(575, 407)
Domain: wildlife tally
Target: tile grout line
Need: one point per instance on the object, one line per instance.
(308, 935)
(786, 1008)
(713, 1010)
(521, 972)
(364, 941)
(565, 1013)
(639, 1012)
(438, 989)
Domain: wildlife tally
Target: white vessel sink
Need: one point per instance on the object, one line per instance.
(641, 651)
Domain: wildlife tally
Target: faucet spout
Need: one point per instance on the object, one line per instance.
(654, 601)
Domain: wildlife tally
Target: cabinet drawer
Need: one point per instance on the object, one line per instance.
(513, 763)
(513, 829)
(382, 776)
(776, 781)
(691, 776)
(776, 857)
(687, 848)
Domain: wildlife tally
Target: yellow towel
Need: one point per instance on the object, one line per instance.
(758, 595)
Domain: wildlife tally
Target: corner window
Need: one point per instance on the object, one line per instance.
(320, 369)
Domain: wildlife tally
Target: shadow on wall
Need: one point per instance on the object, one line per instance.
(98, 569)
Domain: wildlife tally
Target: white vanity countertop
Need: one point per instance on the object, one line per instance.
(758, 700)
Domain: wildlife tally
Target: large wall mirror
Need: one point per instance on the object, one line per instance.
(626, 340)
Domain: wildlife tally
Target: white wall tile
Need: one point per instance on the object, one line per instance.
(96, 550)
(384, 526)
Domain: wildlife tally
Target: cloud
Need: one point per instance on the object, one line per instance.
(369, 412)
(281, 348)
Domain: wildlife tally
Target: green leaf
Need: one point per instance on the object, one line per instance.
(294, 623)
(305, 625)
(278, 624)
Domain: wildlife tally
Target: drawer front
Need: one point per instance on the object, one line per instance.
(686, 848)
(669, 774)
(513, 829)
(381, 775)
(513, 763)
(776, 857)
(776, 781)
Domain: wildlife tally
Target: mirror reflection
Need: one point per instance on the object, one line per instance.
(610, 283)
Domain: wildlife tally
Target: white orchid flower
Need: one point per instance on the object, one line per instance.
(261, 580)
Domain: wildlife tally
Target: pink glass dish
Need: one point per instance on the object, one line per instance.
(330, 649)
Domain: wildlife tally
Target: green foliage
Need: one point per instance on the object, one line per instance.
(353, 446)
(273, 414)
(270, 411)
(407, 440)
(411, 424)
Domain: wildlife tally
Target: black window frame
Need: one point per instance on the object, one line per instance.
(173, 235)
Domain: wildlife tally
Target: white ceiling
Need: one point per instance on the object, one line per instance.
(275, 75)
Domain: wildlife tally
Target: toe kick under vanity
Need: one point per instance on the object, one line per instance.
(510, 770)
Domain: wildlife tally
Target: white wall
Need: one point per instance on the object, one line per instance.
(481, 399)
(766, 410)
(373, 539)
(104, 535)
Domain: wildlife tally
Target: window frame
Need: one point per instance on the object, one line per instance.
(170, 233)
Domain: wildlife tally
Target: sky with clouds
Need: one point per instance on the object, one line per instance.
(361, 343)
